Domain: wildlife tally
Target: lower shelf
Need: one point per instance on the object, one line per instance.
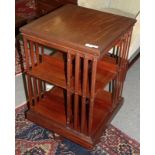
(52, 106)
(50, 113)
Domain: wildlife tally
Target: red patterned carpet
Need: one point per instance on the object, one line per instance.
(32, 139)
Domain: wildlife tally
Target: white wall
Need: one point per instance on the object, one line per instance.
(130, 6)
(94, 4)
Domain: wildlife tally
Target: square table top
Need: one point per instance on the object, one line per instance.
(78, 27)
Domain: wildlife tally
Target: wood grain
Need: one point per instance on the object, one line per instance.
(78, 107)
(74, 26)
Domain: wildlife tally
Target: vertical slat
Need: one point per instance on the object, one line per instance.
(113, 89)
(123, 53)
(33, 57)
(43, 85)
(119, 76)
(113, 52)
(35, 89)
(32, 54)
(38, 62)
(27, 68)
(92, 93)
(128, 40)
(76, 97)
(84, 89)
(37, 53)
(118, 60)
(42, 50)
(26, 53)
(116, 91)
(128, 46)
(110, 85)
(39, 89)
(117, 57)
(68, 88)
(30, 90)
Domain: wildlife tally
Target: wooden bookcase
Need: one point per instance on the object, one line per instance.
(88, 81)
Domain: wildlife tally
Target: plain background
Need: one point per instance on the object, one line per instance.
(7, 77)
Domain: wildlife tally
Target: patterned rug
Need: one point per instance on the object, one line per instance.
(32, 139)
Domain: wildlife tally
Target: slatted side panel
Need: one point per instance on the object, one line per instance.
(81, 107)
(29, 85)
(35, 86)
(124, 65)
(128, 41)
(121, 55)
(33, 63)
(119, 81)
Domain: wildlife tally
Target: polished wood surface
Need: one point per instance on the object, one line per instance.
(80, 106)
(75, 26)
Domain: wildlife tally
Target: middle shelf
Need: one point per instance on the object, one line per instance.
(52, 69)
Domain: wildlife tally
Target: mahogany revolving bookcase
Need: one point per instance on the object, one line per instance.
(87, 78)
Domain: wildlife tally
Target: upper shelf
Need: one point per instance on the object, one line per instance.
(53, 70)
(49, 73)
